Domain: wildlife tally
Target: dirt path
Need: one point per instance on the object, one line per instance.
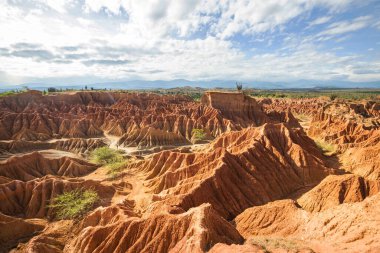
(139, 194)
(112, 141)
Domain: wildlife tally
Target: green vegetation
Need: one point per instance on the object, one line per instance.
(13, 92)
(270, 243)
(351, 94)
(327, 148)
(198, 134)
(105, 155)
(196, 96)
(333, 96)
(111, 158)
(114, 169)
(8, 93)
(73, 204)
(302, 117)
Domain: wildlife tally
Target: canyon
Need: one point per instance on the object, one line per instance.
(228, 173)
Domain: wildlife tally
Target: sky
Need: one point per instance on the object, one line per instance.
(273, 40)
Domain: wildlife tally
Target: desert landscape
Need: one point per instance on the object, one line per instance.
(112, 171)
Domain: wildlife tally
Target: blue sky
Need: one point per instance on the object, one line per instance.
(109, 40)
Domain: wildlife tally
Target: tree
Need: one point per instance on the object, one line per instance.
(52, 89)
(333, 97)
(239, 86)
(85, 87)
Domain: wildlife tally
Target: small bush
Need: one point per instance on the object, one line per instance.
(105, 155)
(198, 134)
(73, 204)
(327, 148)
(115, 168)
(333, 97)
(111, 158)
(270, 243)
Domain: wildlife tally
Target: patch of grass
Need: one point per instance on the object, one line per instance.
(271, 243)
(8, 93)
(302, 117)
(332, 94)
(73, 204)
(105, 156)
(114, 169)
(327, 148)
(198, 134)
(111, 158)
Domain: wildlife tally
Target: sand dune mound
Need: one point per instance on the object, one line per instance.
(242, 169)
(35, 165)
(337, 189)
(31, 199)
(196, 230)
(350, 227)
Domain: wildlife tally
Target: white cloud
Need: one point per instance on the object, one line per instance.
(347, 26)
(152, 39)
(320, 21)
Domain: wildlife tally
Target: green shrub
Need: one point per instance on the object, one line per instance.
(327, 148)
(111, 158)
(105, 155)
(198, 134)
(333, 97)
(73, 204)
(115, 168)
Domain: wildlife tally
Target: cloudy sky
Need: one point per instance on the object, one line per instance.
(271, 40)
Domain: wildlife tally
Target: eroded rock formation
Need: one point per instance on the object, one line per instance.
(257, 174)
(244, 168)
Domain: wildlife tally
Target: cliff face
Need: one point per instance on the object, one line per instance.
(237, 107)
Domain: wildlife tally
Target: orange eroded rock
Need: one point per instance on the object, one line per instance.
(240, 170)
(349, 227)
(35, 165)
(196, 230)
(31, 199)
(335, 190)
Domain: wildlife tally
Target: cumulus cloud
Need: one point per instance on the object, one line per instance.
(169, 39)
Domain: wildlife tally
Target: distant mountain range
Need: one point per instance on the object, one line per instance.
(143, 84)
